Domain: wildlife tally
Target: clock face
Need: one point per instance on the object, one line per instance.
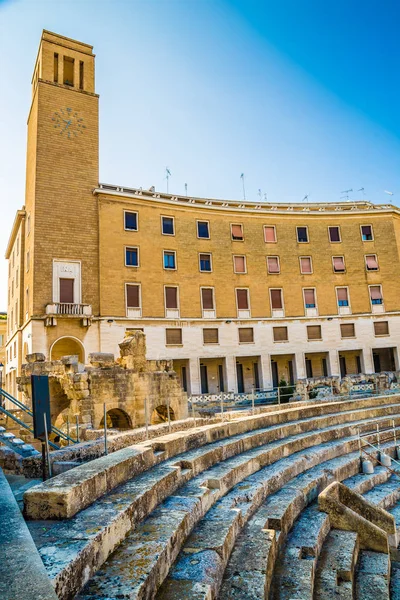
(68, 123)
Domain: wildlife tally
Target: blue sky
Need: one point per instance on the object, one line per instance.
(300, 95)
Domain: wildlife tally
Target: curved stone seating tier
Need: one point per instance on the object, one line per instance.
(64, 495)
(85, 541)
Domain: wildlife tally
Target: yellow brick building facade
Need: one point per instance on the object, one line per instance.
(237, 294)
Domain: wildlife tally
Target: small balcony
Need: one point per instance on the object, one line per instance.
(69, 309)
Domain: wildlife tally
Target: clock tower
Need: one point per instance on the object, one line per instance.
(61, 240)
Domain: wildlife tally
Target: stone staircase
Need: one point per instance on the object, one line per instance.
(8, 438)
(223, 511)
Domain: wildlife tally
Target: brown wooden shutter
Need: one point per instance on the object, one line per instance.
(210, 336)
(242, 299)
(132, 296)
(173, 337)
(276, 299)
(280, 334)
(381, 328)
(246, 334)
(314, 332)
(67, 290)
(171, 297)
(237, 232)
(347, 330)
(207, 298)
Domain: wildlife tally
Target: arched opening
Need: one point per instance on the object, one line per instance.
(160, 415)
(67, 346)
(117, 419)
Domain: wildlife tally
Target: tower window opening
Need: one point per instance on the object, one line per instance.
(68, 71)
(55, 67)
(81, 74)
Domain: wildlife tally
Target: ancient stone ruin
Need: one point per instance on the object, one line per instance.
(126, 385)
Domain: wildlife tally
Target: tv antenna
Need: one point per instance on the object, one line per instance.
(265, 198)
(244, 190)
(186, 189)
(362, 190)
(346, 194)
(259, 194)
(167, 176)
(306, 197)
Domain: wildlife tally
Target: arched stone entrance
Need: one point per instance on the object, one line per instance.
(66, 346)
(117, 419)
(160, 414)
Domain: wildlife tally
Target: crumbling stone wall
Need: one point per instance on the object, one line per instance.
(124, 384)
(380, 382)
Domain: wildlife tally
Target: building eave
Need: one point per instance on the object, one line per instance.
(17, 221)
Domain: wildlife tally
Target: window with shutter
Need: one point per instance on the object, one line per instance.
(171, 297)
(366, 233)
(305, 265)
(210, 336)
(67, 290)
(302, 234)
(381, 328)
(242, 299)
(239, 263)
(237, 232)
(371, 262)
(309, 298)
(342, 296)
(273, 264)
(280, 334)
(205, 262)
(375, 294)
(338, 264)
(173, 337)
(269, 234)
(276, 299)
(314, 332)
(169, 260)
(246, 335)
(334, 234)
(347, 330)
(131, 257)
(207, 298)
(132, 296)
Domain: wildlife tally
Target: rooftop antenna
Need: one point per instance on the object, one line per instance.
(306, 197)
(259, 194)
(362, 190)
(265, 198)
(186, 189)
(167, 176)
(346, 194)
(244, 190)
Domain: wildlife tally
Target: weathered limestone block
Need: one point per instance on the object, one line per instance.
(36, 357)
(102, 360)
(72, 359)
(133, 351)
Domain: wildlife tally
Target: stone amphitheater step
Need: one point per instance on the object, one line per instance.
(19, 446)
(65, 495)
(335, 569)
(220, 479)
(372, 577)
(73, 550)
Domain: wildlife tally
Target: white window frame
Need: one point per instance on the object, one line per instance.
(133, 313)
(270, 227)
(279, 264)
(377, 262)
(333, 265)
(245, 264)
(138, 257)
(173, 221)
(172, 313)
(208, 313)
(310, 312)
(197, 229)
(329, 235)
(241, 225)
(76, 267)
(137, 219)
(372, 231)
(343, 310)
(311, 262)
(243, 313)
(211, 262)
(297, 236)
(376, 308)
(277, 312)
(176, 260)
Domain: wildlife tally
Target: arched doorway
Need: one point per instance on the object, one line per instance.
(117, 419)
(160, 415)
(67, 346)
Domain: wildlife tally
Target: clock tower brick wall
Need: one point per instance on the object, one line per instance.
(62, 171)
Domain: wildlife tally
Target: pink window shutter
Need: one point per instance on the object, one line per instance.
(239, 264)
(309, 296)
(342, 293)
(376, 293)
(338, 263)
(237, 231)
(306, 265)
(273, 264)
(372, 262)
(269, 234)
